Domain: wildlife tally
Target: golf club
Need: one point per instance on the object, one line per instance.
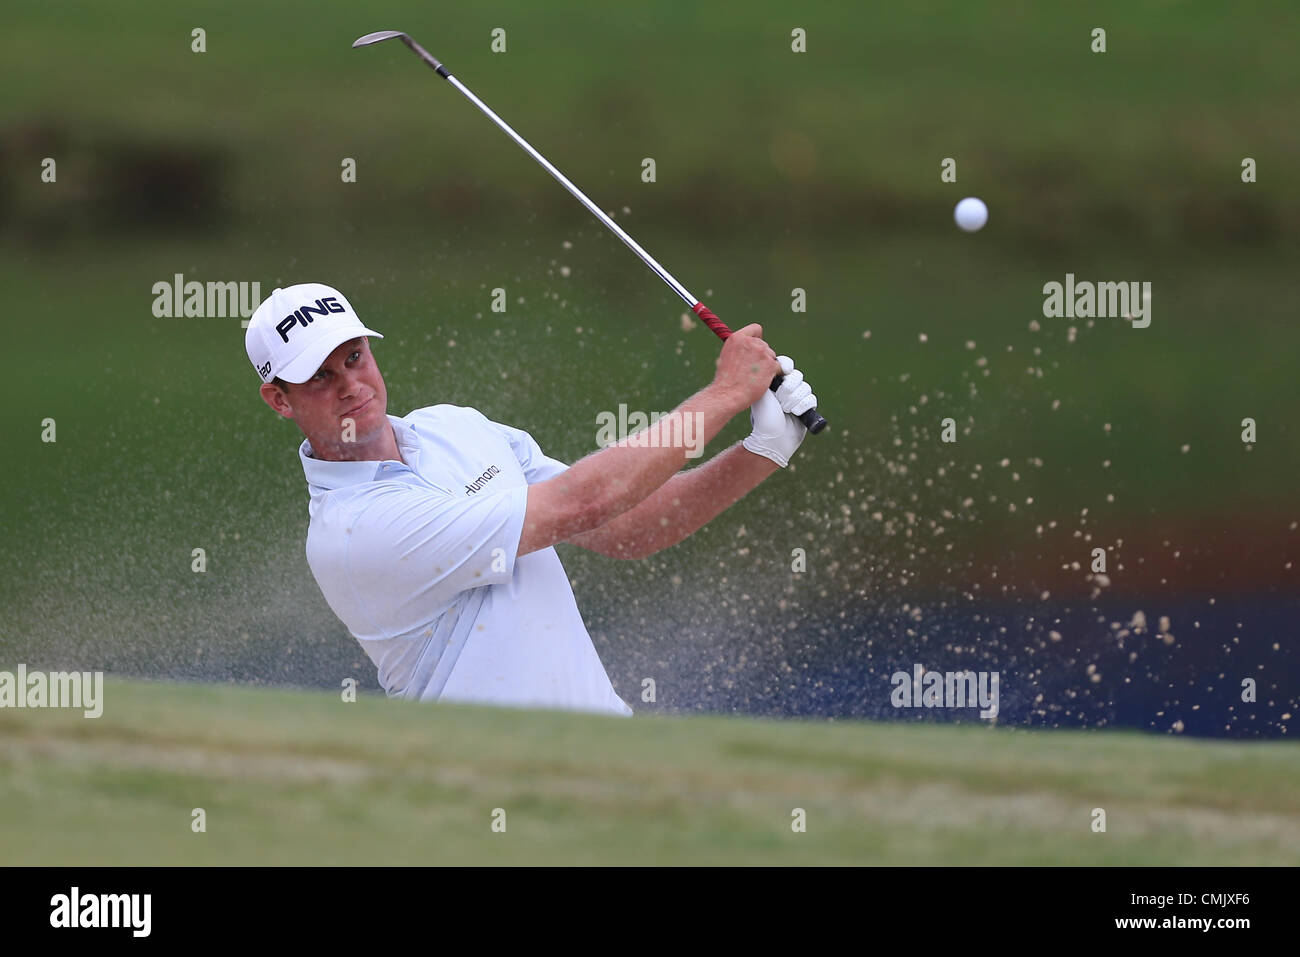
(811, 418)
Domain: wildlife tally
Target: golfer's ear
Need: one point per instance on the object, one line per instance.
(274, 396)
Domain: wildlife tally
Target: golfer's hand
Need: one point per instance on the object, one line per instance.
(794, 394)
(776, 432)
(746, 366)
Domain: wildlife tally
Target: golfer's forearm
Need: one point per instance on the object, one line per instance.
(621, 476)
(682, 505)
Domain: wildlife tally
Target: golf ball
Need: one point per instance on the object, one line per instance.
(971, 214)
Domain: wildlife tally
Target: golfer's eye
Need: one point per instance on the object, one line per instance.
(355, 355)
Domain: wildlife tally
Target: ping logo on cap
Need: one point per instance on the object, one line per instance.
(303, 316)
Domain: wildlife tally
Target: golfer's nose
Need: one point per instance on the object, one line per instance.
(349, 383)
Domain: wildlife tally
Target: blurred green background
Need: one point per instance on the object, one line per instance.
(775, 170)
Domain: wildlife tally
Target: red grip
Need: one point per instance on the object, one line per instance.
(811, 418)
(713, 322)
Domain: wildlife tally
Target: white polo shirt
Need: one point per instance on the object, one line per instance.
(418, 559)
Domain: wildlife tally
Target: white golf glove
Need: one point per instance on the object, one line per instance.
(777, 433)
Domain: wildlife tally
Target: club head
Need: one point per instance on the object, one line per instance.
(376, 37)
(419, 51)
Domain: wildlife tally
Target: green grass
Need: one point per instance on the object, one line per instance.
(1151, 131)
(292, 777)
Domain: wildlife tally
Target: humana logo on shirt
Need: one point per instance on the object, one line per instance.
(482, 480)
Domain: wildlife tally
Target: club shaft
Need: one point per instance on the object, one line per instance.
(811, 418)
(578, 194)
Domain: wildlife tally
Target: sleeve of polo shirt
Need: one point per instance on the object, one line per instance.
(537, 465)
(416, 551)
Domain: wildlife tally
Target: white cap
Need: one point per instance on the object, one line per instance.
(294, 331)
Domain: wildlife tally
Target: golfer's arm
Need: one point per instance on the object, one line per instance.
(679, 507)
(605, 484)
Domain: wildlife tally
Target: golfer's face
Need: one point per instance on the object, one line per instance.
(346, 387)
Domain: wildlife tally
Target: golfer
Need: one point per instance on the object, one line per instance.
(432, 534)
